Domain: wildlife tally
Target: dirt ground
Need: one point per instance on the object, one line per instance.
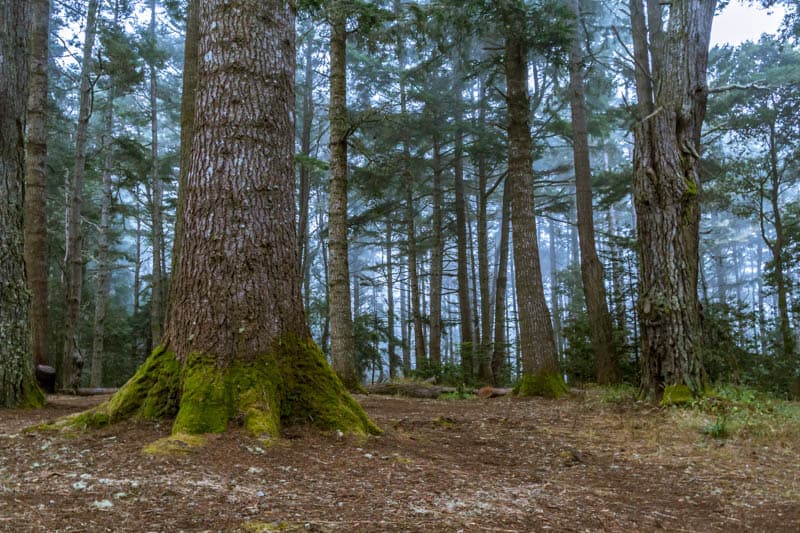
(471, 465)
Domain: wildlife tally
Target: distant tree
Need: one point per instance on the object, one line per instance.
(17, 385)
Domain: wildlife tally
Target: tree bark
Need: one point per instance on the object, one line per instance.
(71, 360)
(17, 383)
(36, 179)
(536, 339)
(437, 259)
(103, 262)
(594, 289)
(500, 349)
(487, 367)
(671, 107)
(157, 285)
(237, 348)
(393, 362)
(342, 347)
(462, 262)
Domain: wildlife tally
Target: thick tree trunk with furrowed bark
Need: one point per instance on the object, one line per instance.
(342, 347)
(671, 63)
(17, 384)
(539, 355)
(237, 348)
(35, 179)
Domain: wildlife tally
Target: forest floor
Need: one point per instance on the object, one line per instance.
(502, 464)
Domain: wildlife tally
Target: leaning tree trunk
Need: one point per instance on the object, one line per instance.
(36, 179)
(342, 343)
(237, 348)
(594, 289)
(71, 360)
(17, 385)
(539, 356)
(671, 107)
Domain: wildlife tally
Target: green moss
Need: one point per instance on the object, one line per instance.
(312, 393)
(678, 394)
(33, 397)
(178, 443)
(544, 383)
(291, 384)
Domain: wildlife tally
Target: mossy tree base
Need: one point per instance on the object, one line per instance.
(546, 384)
(292, 384)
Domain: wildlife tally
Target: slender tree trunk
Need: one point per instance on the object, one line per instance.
(36, 178)
(103, 262)
(342, 348)
(437, 259)
(157, 299)
(555, 282)
(485, 352)
(671, 108)
(405, 329)
(393, 362)
(305, 170)
(537, 343)
(462, 262)
(137, 283)
(71, 360)
(500, 340)
(594, 289)
(17, 384)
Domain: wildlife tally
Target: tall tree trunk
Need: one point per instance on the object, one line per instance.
(437, 259)
(405, 328)
(539, 356)
(555, 296)
(36, 179)
(157, 299)
(342, 347)
(462, 262)
(499, 352)
(600, 327)
(71, 360)
(776, 246)
(485, 349)
(17, 385)
(671, 108)
(393, 362)
(137, 282)
(238, 347)
(103, 262)
(305, 170)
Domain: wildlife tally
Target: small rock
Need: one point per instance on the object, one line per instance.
(260, 494)
(120, 495)
(103, 504)
(254, 470)
(79, 485)
(368, 455)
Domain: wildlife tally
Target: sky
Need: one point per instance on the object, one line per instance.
(741, 22)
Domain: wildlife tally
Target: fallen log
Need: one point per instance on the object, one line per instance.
(85, 391)
(410, 390)
(428, 391)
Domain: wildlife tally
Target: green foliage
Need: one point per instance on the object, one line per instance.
(621, 393)
(457, 395)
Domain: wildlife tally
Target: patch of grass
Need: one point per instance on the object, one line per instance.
(457, 395)
(622, 393)
(731, 411)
